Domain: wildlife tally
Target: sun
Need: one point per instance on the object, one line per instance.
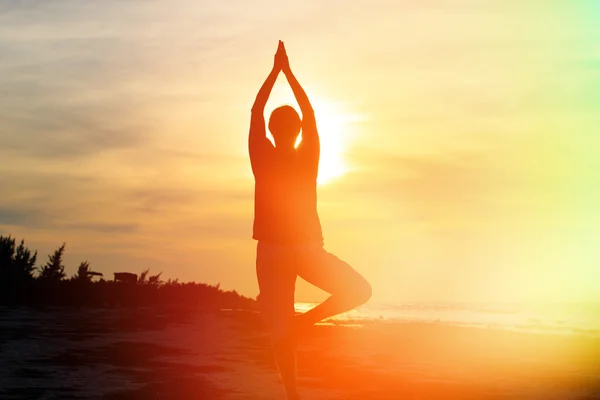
(333, 124)
(331, 127)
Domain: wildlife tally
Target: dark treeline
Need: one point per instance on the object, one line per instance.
(22, 282)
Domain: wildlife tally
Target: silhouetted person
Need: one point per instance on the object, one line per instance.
(287, 226)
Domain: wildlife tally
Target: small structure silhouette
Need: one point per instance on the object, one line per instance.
(92, 274)
(126, 277)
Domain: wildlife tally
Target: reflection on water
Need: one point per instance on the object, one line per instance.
(560, 318)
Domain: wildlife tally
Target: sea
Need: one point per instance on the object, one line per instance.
(549, 318)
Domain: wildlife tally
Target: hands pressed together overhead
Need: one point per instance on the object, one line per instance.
(282, 64)
(281, 59)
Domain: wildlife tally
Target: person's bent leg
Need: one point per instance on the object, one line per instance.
(277, 281)
(347, 287)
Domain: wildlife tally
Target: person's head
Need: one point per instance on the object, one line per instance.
(285, 124)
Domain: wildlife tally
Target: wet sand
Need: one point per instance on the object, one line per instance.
(161, 354)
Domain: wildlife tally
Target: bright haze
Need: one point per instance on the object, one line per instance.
(460, 139)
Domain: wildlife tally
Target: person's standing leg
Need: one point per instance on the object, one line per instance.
(285, 356)
(276, 275)
(347, 287)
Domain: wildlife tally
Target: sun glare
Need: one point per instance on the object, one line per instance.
(333, 126)
(330, 123)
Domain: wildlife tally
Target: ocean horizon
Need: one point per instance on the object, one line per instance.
(581, 318)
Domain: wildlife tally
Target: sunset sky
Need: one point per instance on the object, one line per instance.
(460, 140)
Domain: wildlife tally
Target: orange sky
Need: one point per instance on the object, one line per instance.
(459, 140)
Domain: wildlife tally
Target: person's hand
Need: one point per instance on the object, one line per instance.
(281, 59)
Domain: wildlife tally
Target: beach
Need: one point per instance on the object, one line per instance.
(142, 353)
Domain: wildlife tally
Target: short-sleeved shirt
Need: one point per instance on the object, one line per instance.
(285, 193)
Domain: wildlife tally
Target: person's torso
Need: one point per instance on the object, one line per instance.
(285, 202)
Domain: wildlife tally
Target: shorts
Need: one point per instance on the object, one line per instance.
(278, 266)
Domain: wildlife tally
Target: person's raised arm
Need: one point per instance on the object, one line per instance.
(309, 124)
(257, 122)
(258, 131)
(265, 90)
(258, 144)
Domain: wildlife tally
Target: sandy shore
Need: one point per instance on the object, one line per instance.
(150, 354)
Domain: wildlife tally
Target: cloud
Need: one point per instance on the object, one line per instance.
(101, 227)
(60, 109)
(54, 133)
(156, 200)
(449, 177)
(40, 220)
(46, 200)
(19, 216)
(38, 200)
(35, 217)
(67, 202)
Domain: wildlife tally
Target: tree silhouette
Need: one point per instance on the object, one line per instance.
(7, 250)
(24, 262)
(18, 285)
(54, 270)
(144, 276)
(155, 280)
(83, 272)
(17, 263)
